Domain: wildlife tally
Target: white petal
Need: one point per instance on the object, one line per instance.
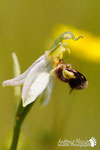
(12, 83)
(36, 88)
(46, 95)
(37, 61)
(20, 79)
(39, 67)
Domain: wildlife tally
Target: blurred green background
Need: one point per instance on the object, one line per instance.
(25, 28)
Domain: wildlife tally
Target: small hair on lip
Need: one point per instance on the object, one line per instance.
(86, 84)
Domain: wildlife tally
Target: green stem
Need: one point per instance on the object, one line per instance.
(16, 133)
(19, 118)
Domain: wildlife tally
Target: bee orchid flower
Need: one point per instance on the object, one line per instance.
(38, 78)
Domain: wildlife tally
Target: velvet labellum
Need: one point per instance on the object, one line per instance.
(74, 78)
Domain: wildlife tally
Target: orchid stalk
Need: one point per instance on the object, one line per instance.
(38, 80)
